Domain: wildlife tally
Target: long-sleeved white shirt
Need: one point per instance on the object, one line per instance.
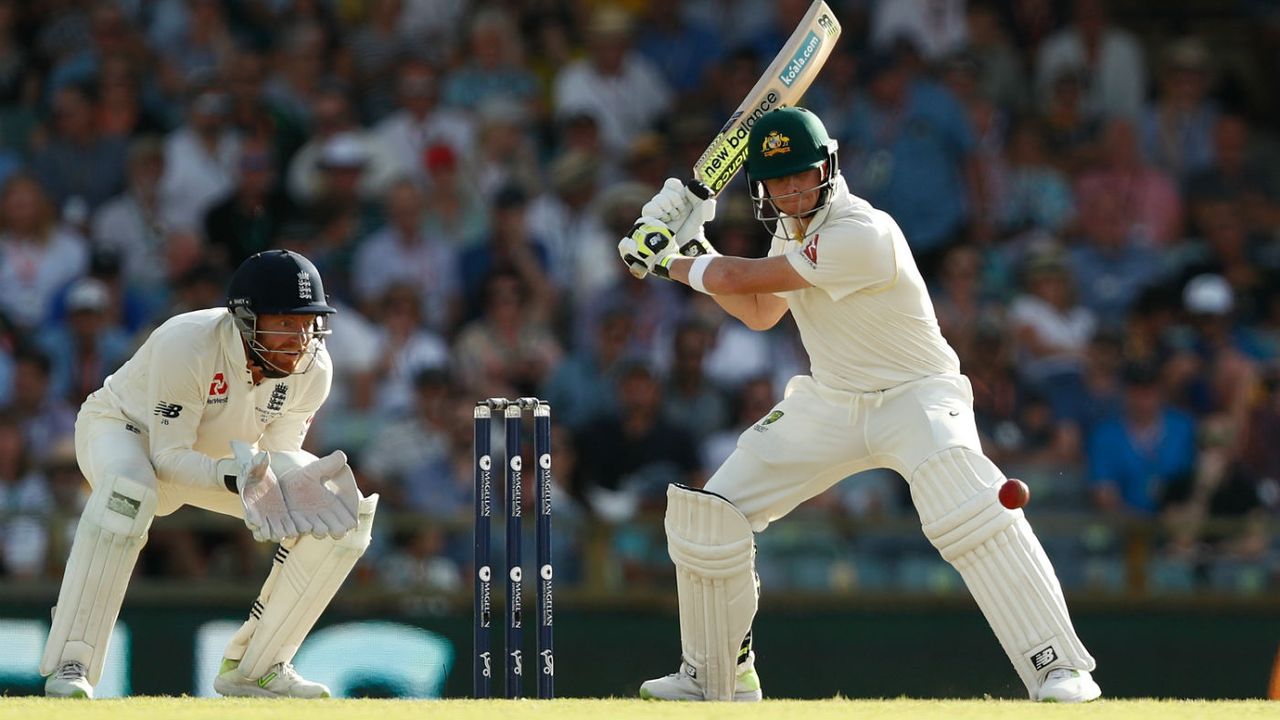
(190, 391)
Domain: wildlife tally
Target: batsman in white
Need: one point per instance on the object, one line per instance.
(212, 411)
(885, 391)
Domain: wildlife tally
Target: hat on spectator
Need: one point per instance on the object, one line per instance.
(343, 151)
(1208, 294)
(1141, 374)
(1188, 53)
(440, 158)
(88, 294)
(510, 196)
(609, 21)
(501, 110)
(573, 170)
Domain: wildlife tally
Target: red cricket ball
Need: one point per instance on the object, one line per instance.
(1014, 493)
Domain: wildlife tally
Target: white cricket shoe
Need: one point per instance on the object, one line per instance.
(281, 681)
(1068, 685)
(682, 686)
(70, 680)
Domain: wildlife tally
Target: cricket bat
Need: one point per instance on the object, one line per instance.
(783, 83)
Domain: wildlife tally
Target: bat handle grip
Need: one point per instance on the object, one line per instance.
(698, 188)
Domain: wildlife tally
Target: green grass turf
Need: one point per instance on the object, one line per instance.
(13, 708)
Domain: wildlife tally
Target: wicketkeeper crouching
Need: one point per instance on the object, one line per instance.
(212, 411)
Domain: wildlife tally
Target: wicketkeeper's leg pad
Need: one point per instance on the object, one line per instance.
(1001, 561)
(110, 534)
(712, 545)
(305, 575)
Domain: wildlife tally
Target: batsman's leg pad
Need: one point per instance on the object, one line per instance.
(712, 546)
(1001, 561)
(303, 580)
(110, 534)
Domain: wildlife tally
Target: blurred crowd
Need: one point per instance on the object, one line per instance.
(1092, 190)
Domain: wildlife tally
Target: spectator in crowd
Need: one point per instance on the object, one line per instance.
(405, 347)
(1210, 374)
(494, 68)
(1136, 456)
(419, 123)
(1235, 172)
(1109, 266)
(46, 418)
(38, 257)
(205, 42)
(510, 247)
(937, 27)
(87, 346)
(456, 211)
(334, 121)
(1052, 330)
(376, 46)
(1177, 129)
(1001, 77)
(1071, 133)
(688, 393)
(24, 501)
(298, 72)
(411, 457)
(1111, 58)
(508, 351)
(681, 49)
(134, 224)
(912, 156)
(627, 458)
(79, 164)
(506, 153)
(253, 216)
(615, 83)
(583, 386)
(1037, 196)
(402, 252)
(565, 217)
(121, 111)
(201, 157)
(1149, 197)
(959, 302)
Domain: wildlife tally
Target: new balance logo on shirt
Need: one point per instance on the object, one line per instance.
(168, 410)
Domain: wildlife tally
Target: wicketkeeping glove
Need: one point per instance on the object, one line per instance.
(265, 511)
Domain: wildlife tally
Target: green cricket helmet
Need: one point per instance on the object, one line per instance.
(783, 142)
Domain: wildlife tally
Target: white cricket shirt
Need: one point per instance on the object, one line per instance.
(867, 322)
(190, 391)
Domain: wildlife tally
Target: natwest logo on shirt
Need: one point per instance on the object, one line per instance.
(217, 390)
(810, 251)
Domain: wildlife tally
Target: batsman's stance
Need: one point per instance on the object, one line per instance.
(885, 391)
(175, 426)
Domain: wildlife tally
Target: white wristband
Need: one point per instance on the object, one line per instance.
(696, 270)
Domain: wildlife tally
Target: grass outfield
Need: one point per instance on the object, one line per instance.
(236, 709)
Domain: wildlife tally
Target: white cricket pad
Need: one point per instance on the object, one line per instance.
(305, 575)
(994, 549)
(110, 534)
(712, 546)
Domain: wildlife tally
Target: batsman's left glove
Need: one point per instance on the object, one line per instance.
(648, 248)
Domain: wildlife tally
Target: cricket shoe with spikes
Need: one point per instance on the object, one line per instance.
(281, 681)
(70, 680)
(1068, 685)
(683, 686)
